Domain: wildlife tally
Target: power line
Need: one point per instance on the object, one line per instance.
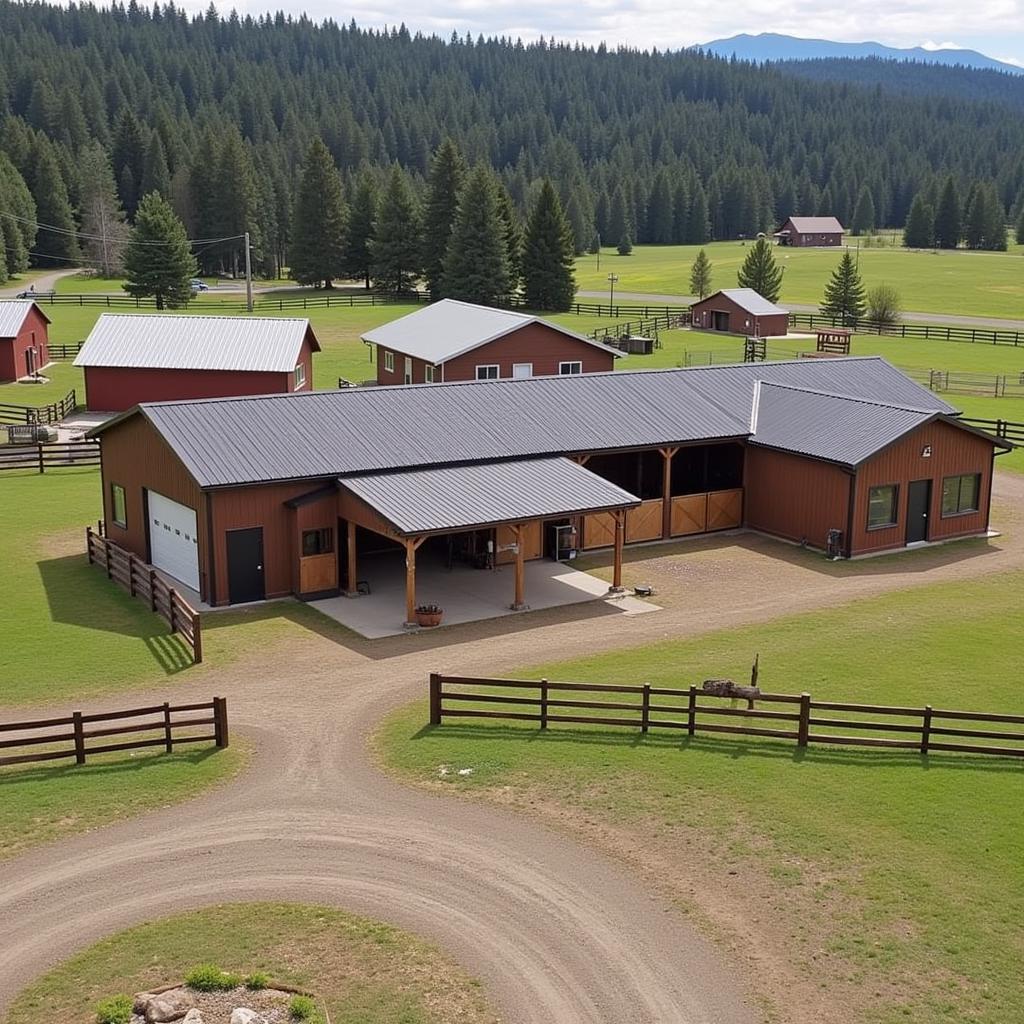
(99, 238)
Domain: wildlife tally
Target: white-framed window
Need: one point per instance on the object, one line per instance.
(389, 362)
(520, 370)
(488, 371)
(407, 376)
(428, 374)
(570, 366)
(300, 376)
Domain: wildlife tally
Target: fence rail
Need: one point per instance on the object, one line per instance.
(52, 413)
(67, 350)
(70, 736)
(50, 455)
(800, 719)
(142, 580)
(1001, 428)
(939, 332)
(998, 385)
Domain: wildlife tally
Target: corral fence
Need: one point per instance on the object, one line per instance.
(162, 725)
(1006, 429)
(50, 455)
(52, 413)
(66, 350)
(937, 332)
(143, 581)
(795, 717)
(996, 385)
(649, 328)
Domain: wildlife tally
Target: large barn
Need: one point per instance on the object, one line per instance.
(811, 231)
(130, 358)
(452, 340)
(24, 339)
(246, 498)
(740, 311)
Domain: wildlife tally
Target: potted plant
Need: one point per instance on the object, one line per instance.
(428, 615)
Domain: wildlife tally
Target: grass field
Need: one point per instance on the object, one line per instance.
(960, 283)
(44, 803)
(365, 972)
(894, 883)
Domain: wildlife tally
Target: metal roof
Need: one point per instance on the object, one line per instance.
(321, 434)
(831, 427)
(446, 329)
(12, 316)
(816, 225)
(185, 342)
(750, 301)
(454, 497)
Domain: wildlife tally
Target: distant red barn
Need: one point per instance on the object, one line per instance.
(811, 231)
(130, 358)
(740, 311)
(24, 339)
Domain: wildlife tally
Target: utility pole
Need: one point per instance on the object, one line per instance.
(248, 274)
(612, 278)
(599, 252)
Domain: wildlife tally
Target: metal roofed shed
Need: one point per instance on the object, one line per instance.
(13, 313)
(24, 340)
(740, 311)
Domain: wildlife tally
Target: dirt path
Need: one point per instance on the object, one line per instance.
(45, 283)
(557, 932)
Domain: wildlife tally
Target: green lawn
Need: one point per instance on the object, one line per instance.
(896, 883)
(965, 283)
(363, 971)
(43, 803)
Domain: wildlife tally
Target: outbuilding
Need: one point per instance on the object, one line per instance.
(740, 311)
(24, 339)
(246, 498)
(450, 341)
(811, 231)
(130, 358)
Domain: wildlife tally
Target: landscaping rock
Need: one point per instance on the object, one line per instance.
(242, 1015)
(169, 1006)
(141, 1001)
(192, 1017)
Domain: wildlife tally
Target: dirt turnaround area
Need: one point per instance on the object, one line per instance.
(556, 931)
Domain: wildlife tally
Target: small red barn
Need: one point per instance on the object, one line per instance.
(740, 311)
(811, 231)
(24, 341)
(131, 358)
(452, 340)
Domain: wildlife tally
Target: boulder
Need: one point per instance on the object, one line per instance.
(141, 1000)
(243, 1015)
(192, 1017)
(169, 1006)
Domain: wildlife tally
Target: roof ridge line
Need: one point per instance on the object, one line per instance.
(846, 398)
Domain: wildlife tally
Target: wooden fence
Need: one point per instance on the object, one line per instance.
(52, 413)
(802, 719)
(141, 580)
(997, 385)
(71, 736)
(50, 455)
(644, 327)
(65, 351)
(1001, 428)
(938, 332)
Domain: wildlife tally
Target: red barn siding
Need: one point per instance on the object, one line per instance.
(773, 325)
(397, 376)
(13, 351)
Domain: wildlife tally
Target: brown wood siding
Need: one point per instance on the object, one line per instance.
(137, 458)
(740, 321)
(793, 497)
(533, 542)
(953, 451)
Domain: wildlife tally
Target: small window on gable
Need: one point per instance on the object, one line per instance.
(428, 374)
(118, 506)
(570, 367)
(300, 376)
(317, 542)
(489, 371)
(389, 362)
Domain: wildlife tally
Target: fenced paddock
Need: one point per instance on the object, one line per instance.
(52, 413)
(50, 455)
(796, 718)
(72, 736)
(1006, 429)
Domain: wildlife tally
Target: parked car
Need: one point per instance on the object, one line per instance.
(199, 286)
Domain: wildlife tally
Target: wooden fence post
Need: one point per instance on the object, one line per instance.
(435, 698)
(152, 589)
(79, 738)
(131, 574)
(804, 724)
(220, 721)
(926, 728)
(691, 718)
(106, 555)
(645, 709)
(88, 543)
(197, 639)
(543, 703)
(172, 597)
(168, 738)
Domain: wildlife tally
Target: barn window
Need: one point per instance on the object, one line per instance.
(488, 371)
(882, 506)
(118, 506)
(389, 362)
(317, 542)
(960, 494)
(300, 376)
(428, 374)
(571, 367)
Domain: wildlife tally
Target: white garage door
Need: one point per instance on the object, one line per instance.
(173, 545)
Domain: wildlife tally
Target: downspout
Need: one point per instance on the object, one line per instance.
(849, 514)
(211, 559)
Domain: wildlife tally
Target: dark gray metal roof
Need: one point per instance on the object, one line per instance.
(231, 441)
(455, 497)
(831, 427)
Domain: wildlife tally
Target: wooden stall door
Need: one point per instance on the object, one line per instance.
(533, 541)
(725, 509)
(689, 514)
(598, 530)
(318, 573)
(644, 521)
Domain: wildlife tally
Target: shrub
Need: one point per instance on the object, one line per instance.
(210, 978)
(302, 1008)
(256, 981)
(115, 1010)
(884, 305)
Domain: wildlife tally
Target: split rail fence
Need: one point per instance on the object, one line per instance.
(938, 332)
(1001, 428)
(795, 717)
(141, 580)
(998, 385)
(163, 725)
(50, 455)
(52, 413)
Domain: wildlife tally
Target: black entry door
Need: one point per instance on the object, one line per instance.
(245, 565)
(919, 499)
(721, 320)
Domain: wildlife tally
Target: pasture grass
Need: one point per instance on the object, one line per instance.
(364, 972)
(896, 882)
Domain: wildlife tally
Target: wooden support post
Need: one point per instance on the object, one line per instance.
(666, 491)
(172, 598)
(519, 602)
(39, 447)
(197, 639)
(131, 574)
(220, 721)
(410, 582)
(79, 738)
(168, 737)
(152, 589)
(691, 712)
(804, 724)
(88, 543)
(543, 703)
(106, 556)
(352, 563)
(926, 729)
(435, 698)
(620, 535)
(645, 709)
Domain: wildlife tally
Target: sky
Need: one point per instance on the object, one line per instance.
(995, 27)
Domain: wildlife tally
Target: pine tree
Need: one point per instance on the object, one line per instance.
(625, 246)
(56, 244)
(235, 190)
(156, 177)
(396, 246)
(620, 223)
(995, 227)
(362, 213)
(844, 292)
(976, 221)
(700, 276)
(919, 232)
(660, 210)
(476, 264)
(104, 230)
(128, 159)
(317, 252)
(864, 213)
(513, 233)
(698, 226)
(445, 182)
(1020, 227)
(549, 281)
(157, 259)
(948, 224)
(19, 235)
(761, 272)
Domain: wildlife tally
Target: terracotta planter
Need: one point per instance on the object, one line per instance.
(428, 619)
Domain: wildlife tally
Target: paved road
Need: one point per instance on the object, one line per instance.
(556, 931)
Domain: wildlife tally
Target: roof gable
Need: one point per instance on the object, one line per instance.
(13, 314)
(816, 225)
(748, 300)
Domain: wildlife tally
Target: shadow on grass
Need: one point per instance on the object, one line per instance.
(734, 749)
(107, 767)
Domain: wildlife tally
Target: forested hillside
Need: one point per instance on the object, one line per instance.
(217, 113)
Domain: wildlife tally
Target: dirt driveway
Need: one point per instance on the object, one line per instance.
(557, 932)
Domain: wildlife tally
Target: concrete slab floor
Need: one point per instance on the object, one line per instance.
(465, 594)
